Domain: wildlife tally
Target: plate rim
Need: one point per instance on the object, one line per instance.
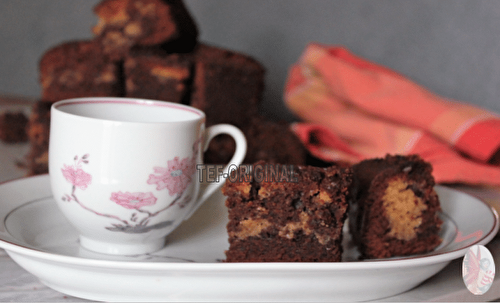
(10, 247)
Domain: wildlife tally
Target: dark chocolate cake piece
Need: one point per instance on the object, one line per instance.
(227, 85)
(274, 142)
(394, 208)
(77, 69)
(125, 24)
(13, 127)
(148, 49)
(38, 134)
(269, 141)
(152, 73)
(273, 218)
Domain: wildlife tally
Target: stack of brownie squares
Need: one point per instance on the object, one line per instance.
(150, 49)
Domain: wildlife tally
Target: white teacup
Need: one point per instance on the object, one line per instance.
(123, 171)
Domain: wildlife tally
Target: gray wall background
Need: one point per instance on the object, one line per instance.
(451, 47)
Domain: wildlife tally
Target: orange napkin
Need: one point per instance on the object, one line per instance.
(354, 109)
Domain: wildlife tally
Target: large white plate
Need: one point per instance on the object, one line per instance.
(36, 235)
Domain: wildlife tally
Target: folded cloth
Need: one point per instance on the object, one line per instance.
(354, 109)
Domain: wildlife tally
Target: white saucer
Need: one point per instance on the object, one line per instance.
(36, 235)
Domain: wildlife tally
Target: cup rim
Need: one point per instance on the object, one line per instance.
(126, 100)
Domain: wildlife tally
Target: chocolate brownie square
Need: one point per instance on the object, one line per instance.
(269, 141)
(124, 24)
(152, 73)
(227, 85)
(394, 209)
(273, 142)
(38, 131)
(13, 127)
(275, 217)
(78, 69)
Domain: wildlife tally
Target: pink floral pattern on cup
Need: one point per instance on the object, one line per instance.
(133, 200)
(75, 175)
(175, 177)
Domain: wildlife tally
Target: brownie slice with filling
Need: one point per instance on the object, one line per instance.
(395, 209)
(274, 218)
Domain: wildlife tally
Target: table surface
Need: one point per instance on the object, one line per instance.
(17, 285)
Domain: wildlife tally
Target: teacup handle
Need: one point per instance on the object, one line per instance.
(237, 159)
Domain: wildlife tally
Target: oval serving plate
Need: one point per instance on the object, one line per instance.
(190, 268)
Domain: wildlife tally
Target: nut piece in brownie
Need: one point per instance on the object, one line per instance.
(13, 127)
(78, 69)
(152, 73)
(38, 133)
(227, 85)
(394, 210)
(124, 24)
(299, 219)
